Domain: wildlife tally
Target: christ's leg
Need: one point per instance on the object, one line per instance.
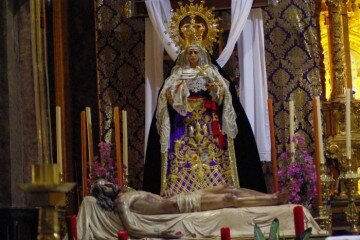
(240, 192)
(211, 201)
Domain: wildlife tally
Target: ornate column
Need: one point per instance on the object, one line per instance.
(336, 43)
(339, 51)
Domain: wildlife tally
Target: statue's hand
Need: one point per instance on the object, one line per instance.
(170, 234)
(216, 91)
(212, 86)
(169, 97)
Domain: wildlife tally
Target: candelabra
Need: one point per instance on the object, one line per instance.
(350, 179)
(325, 213)
(48, 193)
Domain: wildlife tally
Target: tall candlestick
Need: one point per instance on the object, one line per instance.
(317, 151)
(119, 163)
(292, 125)
(83, 154)
(125, 141)
(348, 123)
(273, 147)
(59, 140)
(320, 131)
(89, 137)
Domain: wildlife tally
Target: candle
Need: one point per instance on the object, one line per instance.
(89, 136)
(83, 153)
(119, 166)
(59, 140)
(317, 151)
(298, 220)
(358, 171)
(72, 228)
(273, 147)
(348, 123)
(125, 141)
(320, 131)
(292, 126)
(225, 233)
(122, 235)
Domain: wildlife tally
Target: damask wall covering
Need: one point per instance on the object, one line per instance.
(294, 63)
(120, 65)
(293, 57)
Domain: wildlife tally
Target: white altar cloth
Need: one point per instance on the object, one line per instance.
(95, 223)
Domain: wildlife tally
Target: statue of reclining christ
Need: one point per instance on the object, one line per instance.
(125, 204)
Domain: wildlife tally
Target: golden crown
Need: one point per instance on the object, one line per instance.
(194, 24)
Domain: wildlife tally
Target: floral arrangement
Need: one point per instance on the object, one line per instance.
(104, 165)
(297, 172)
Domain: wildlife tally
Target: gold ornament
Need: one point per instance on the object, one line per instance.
(194, 24)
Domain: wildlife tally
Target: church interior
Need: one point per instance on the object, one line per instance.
(79, 80)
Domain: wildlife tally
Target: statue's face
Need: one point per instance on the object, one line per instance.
(109, 189)
(193, 56)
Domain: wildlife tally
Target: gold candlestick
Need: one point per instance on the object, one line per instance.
(48, 193)
(325, 213)
(61, 177)
(350, 179)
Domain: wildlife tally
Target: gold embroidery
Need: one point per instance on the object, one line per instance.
(164, 166)
(198, 162)
(234, 174)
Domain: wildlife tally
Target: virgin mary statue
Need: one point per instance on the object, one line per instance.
(200, 136)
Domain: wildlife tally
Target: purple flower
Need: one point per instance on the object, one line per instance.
(298, 139)
(285, 155)
(298, 174)
(104, 165)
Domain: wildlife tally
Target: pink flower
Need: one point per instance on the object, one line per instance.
(298, 139)
(285, 155)
(298, 173)
(104, 165)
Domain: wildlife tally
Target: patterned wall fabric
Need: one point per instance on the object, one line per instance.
(294, 64)
(120, 66)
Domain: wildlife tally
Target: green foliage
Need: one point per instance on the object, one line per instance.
(305, 235)
(274, 232)
(258, 235)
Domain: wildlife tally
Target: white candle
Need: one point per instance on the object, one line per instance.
(58, 139)
(125, 140)
(348, 123)
(292, 125)
(89, 136)
(319, 128)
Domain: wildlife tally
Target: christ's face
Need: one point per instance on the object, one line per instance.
(193, 56)
(109, 189)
